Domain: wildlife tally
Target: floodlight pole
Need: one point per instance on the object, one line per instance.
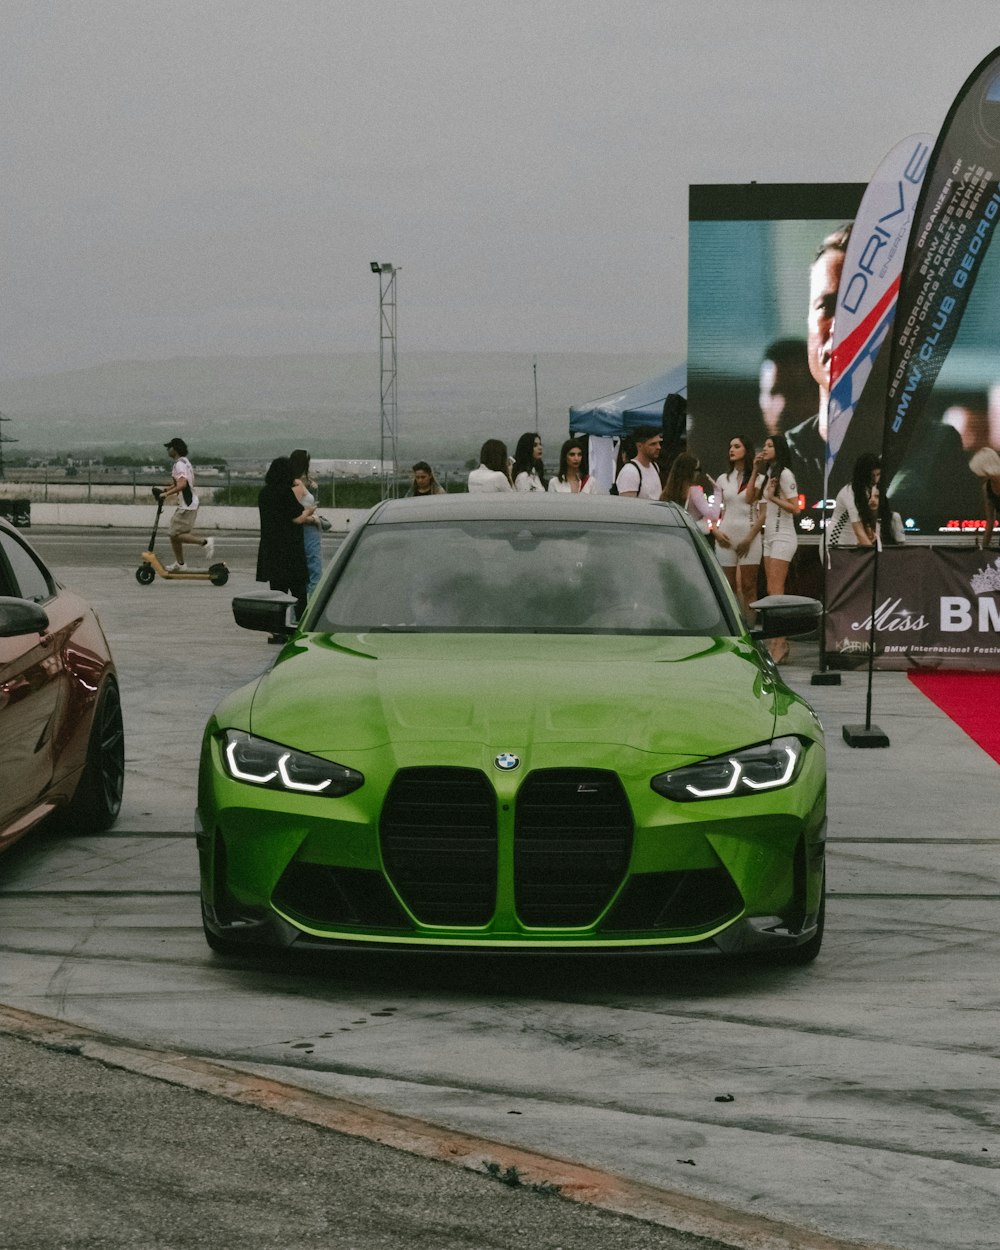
(388, 395)
(4, 438)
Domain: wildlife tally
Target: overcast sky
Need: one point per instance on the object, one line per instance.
(198, 177)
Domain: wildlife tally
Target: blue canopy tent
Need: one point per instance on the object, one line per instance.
(628, 409)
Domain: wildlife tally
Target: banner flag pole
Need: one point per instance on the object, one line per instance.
(866, 303)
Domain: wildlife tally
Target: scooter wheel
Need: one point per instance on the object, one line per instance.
(218, 574)
(145, 574)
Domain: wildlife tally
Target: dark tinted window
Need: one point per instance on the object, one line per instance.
(24, 577)
(517, 576)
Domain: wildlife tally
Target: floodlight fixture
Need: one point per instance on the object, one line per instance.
(382, 266)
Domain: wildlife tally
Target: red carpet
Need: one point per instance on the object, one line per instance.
(972, 700)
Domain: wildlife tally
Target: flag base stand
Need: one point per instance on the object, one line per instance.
(824, 678)
(865, 736)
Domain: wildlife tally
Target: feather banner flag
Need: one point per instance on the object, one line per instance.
(955, 218)
(869, 284)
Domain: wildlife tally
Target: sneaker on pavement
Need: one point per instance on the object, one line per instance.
(209, 547)
(176, 568)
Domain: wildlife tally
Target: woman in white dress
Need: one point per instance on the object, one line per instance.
(569, 480)
(738, 544)
(780, 495)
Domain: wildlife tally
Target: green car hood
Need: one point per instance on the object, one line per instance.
(687, 696)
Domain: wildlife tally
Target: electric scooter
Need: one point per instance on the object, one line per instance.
(151, 568)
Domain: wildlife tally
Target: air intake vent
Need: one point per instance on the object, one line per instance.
(573, 841)
(439, 844)
(692, 899)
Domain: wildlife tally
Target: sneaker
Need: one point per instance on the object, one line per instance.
(209, 547)
(176, 568)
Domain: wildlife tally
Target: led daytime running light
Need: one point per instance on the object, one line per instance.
(783, 780)
(298, 785)
(734, 781)
(240, 775)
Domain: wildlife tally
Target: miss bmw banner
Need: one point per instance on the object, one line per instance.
(954, 222)
(936, 607)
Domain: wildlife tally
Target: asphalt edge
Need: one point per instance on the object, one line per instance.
(510, 1165)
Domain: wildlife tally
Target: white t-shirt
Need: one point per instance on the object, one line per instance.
(182, 468)
(644, 477)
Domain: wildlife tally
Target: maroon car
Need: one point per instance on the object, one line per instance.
(62, 749)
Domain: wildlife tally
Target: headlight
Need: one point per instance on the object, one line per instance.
(766, 767)
(258, 762)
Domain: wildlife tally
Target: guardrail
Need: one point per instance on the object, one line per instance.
(140, 516)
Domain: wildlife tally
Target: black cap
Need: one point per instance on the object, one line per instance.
(178, 445)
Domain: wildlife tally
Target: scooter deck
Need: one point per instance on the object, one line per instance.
(192, 575)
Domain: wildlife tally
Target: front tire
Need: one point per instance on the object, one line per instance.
(98, 798)
(219, 945)
(145, 574)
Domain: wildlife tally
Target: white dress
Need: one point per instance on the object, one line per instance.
(738, 518)
(780, 538)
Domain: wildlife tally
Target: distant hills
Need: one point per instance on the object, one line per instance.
(448, 403)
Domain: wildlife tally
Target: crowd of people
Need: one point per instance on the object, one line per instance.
(748, 512)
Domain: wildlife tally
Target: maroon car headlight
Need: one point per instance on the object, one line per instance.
(258, 762)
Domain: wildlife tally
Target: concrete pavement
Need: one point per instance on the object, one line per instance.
(860, 1095)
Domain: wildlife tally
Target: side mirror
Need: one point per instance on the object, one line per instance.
(19, 617)
(784, 616)
(268, 611)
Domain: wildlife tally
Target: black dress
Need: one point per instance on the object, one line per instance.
(281, 556)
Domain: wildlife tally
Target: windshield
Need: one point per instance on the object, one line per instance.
(524, 577)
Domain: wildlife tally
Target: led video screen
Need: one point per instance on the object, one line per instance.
(751, 248)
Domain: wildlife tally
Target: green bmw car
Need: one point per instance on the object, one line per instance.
(517, 722)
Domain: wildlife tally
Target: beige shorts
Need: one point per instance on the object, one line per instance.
(182, 522)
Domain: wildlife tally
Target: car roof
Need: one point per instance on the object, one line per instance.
(516, 506)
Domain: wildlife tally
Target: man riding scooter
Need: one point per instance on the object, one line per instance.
(181, 490)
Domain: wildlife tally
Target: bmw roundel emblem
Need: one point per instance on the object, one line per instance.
(507, 762)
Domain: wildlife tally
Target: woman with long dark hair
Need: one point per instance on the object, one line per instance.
(738, 545)
(570, 480)
(529, 471)
(862, 514)
(281, 556)
(852, 523)
(780, 496)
